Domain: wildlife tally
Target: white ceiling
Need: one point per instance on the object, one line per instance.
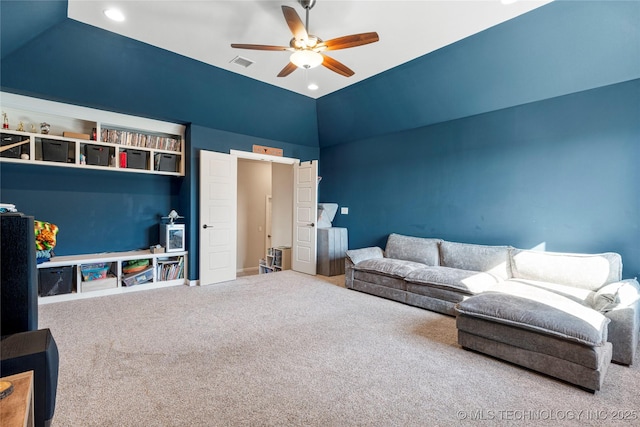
(204, 29)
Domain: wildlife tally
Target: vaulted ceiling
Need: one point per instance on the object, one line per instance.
(557, 49)
(204, 30)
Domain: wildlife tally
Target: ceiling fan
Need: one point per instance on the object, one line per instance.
(308, 50)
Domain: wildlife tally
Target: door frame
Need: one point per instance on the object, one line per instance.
(248, 155)
(263, 157)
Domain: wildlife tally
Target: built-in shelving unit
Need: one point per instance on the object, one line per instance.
(162, 270)
(277, 259)
(86, 138)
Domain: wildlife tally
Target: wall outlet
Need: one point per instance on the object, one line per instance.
(344, 211)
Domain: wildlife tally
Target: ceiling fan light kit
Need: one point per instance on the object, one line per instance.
(308, 50)
(306, 59)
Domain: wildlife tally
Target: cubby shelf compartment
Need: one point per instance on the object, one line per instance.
(115, 261)
(277, 259)
(161, 144)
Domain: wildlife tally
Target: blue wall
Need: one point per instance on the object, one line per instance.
(561, 172)
(97, 211)
(78, 64)
(560, 48)
(522, 134)
(41, 15)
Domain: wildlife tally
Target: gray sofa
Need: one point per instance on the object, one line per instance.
(557, 313)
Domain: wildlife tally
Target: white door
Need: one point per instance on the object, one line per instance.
(218, 221)
(305, 212)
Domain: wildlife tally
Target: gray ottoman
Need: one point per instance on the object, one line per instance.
(539, 330)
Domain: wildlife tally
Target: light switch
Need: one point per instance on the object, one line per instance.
(344, 211)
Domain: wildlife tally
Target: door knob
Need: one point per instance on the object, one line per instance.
(207, 226)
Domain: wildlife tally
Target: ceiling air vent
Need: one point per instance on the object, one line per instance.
(243, 62)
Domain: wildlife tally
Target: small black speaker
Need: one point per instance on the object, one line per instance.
(34, 351)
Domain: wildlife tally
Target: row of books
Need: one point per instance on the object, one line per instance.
(170, 269)
(136, 139)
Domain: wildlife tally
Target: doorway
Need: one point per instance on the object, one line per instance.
(293, 214)
(265, 211)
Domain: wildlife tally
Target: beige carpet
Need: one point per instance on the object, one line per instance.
(289, 349)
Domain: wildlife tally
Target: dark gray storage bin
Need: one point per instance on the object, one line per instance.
(166, 162)
(55, 281)
(14, 152)
(97, 155)
(137, 159)
(54, 150)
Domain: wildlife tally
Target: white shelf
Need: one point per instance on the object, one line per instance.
(277, 259)
(82, 120)
(112, 257)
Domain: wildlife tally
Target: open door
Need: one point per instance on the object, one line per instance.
(268, 225)
(305, 212)
(218, 217)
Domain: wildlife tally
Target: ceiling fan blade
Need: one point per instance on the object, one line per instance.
(350, 41)
(295, 23)
(337, 66)
(288, 69)
(259, 47)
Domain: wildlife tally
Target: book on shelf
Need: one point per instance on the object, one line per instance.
(170, 269)
(138, 139)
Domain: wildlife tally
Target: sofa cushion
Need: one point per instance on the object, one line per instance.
(587, 271)
(467, 282)
(417, 249)
(358, 255)
(539, 310)
(388, 267)
(579, 295)
(380, 280)
(465, 256)
(443, 295)
(530, 340)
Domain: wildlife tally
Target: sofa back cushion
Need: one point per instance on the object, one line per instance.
(416, 249)
(465, 256)
(587, 271)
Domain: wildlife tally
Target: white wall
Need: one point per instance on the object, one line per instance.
(254, 184)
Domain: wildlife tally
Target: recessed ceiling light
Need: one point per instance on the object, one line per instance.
(312, 86)
(114, 14)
